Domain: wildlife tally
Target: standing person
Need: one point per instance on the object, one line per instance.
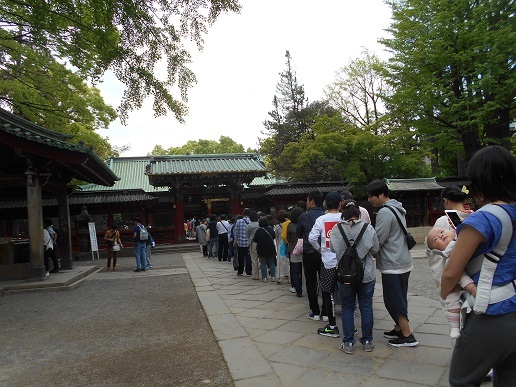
(48, 246)
(311, 257)
(394, 262)
(250, 230)
(149, 245)
(364, 214)
(231, 236)
(214, 237)
(453, 199)
(264, 241)
(488, 338)
(223, 229)
(201, 237)
(296, 260)
(112, 237)
(241, 242)
(47, 223)
(281, 244)
(140, 247)
(319, 238)
(351, 225)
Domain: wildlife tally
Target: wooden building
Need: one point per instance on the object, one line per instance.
(37, 165)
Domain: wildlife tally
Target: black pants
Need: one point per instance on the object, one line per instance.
(48, 255)
(223, 247)
(204, 250)
(312, 267)
(244, 260)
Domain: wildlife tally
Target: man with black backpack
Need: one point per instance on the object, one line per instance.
(394, 262)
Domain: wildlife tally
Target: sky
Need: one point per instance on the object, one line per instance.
(238, 69)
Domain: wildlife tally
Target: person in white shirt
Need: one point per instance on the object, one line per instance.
(319, 238)
(223, 229)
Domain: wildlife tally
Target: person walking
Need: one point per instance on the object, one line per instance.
(394, 262)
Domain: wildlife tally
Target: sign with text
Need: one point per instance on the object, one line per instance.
(93, 240)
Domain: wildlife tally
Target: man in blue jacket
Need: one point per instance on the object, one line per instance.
(311, 257)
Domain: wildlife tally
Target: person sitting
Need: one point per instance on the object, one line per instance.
(440, 243)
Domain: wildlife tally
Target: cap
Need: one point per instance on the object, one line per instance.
(332, 199)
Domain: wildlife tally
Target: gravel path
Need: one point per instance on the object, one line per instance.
(117, 328)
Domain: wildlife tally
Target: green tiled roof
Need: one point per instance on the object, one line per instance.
(421, 184)
(131, 171)
(206, 164)
(266, 180)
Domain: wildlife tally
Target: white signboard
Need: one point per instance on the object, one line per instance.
(93, 240)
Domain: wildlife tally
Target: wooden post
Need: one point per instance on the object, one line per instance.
(35, 219)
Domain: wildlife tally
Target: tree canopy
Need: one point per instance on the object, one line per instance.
(349, 137)
(452, 71)
(128, 37)
(52, 53)
(224, 145)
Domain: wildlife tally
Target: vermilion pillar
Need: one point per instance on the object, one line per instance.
(179, 219)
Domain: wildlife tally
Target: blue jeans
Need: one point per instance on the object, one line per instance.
(296, 272)
(268, 261)
(348, 296)
(230, 250)
(140, 252)
(214, 242)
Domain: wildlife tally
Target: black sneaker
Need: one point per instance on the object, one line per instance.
(402, 341)
(137, 270)
(394, 334)
(328, 331)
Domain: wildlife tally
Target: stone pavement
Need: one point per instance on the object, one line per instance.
(267, 338)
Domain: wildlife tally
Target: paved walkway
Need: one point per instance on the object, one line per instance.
(267, 339)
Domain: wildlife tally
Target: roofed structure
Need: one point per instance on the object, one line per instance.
(204, 170)
(421, 184)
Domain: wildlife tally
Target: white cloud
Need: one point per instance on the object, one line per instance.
(238, 69)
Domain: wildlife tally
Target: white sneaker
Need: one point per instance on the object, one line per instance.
(325, 318)
(273, 279)
(47, 274)
(292, 290)
(265, 280)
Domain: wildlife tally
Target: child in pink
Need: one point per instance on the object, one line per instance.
(440, 242)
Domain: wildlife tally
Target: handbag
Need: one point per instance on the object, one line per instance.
(411, 242)
(298, 248)
(116, 247)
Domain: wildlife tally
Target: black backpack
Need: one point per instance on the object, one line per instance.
(350, 271)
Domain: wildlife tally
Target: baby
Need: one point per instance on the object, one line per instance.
(440, 242)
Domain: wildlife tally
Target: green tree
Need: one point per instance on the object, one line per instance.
(92, 36)
(359, 91)
(453, 72)
(224, 145)
(339, 150)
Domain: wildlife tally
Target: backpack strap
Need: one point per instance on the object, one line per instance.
(397, 218)
(488, 262)
(359, 236)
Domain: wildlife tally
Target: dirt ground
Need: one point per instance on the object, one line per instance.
(116, 329)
